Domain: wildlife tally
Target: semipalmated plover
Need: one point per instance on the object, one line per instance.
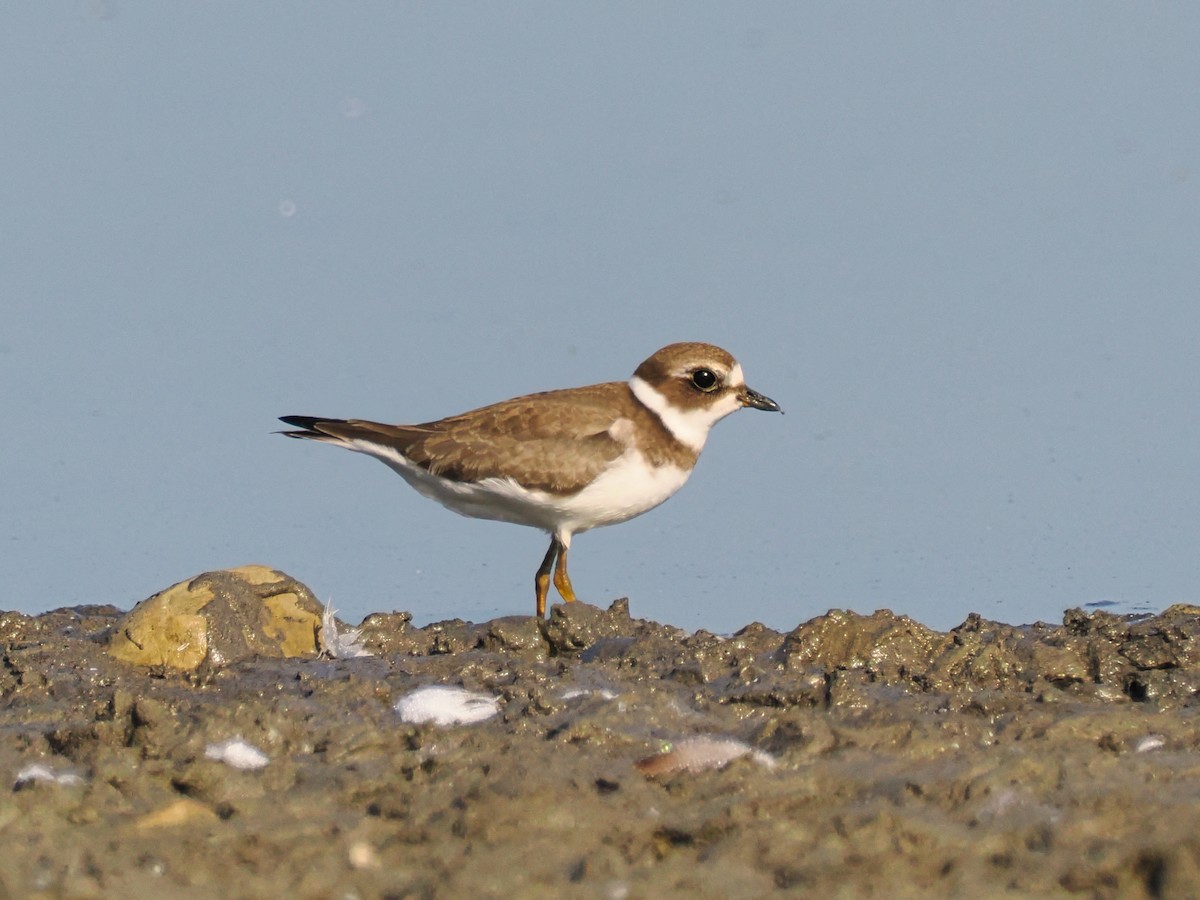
(562, 461)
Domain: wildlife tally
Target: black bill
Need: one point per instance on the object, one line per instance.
(754, 399)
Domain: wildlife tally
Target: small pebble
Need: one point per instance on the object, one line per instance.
(699, 754)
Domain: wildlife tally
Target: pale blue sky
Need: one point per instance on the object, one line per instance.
(959, 243)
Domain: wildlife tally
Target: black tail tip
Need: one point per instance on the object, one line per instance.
(308, 423)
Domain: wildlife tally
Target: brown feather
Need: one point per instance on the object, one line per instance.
(557, 443)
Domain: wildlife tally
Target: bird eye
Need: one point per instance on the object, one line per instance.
(705, 379)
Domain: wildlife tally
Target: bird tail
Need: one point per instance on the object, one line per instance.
(311, 428)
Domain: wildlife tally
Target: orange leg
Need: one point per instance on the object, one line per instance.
(541, 581)
(562, 581)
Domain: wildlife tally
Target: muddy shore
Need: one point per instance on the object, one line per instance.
(612, 757)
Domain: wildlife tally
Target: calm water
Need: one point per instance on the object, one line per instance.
(976, 304)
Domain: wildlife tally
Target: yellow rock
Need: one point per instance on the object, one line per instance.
(184, 811)
(258, 574)
(291, 624)
(221, 617)
(167, 629)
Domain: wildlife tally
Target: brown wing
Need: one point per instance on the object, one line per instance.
(556, 441)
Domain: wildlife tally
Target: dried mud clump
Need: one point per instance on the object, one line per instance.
(855, 755)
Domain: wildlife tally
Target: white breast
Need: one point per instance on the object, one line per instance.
(627, 488)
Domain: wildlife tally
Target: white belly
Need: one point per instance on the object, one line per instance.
(628, 487)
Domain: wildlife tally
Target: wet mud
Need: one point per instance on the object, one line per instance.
(602, 755)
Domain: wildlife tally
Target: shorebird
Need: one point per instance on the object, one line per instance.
(564, 461)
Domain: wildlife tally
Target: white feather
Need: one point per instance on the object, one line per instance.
(446, 705)
(42, 772)
(237, 752)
